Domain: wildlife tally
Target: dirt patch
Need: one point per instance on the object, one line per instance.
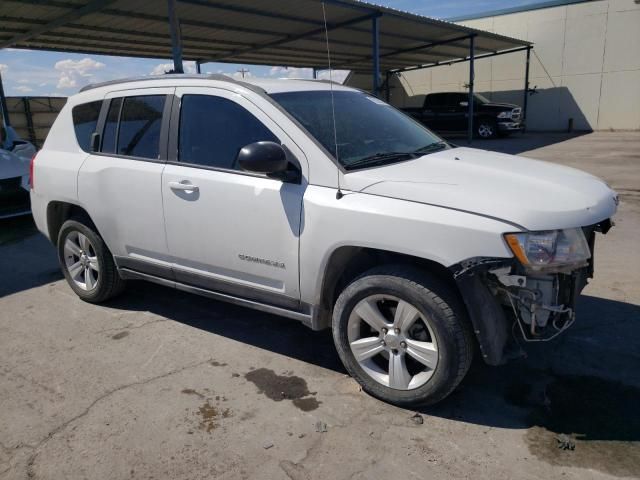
(210, 415)
(600, 416)
(283, 387)
(191, 391)
(120, 335)
(215, 363)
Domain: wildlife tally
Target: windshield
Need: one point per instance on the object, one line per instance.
(369, 131)
(480, 99)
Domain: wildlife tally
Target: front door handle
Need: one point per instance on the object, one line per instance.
(187, 187)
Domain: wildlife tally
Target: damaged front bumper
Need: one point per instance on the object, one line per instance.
(503, 299)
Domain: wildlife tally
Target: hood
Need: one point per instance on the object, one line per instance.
(500, 105)
(528, 193)
(12, 165)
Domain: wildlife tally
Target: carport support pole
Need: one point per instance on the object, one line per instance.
(3, 106)
(375, 54)
(387, 90)
(471, 78)
(176, 38)
(526, 89)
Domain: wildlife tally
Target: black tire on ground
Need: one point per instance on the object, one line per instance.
(486, 128)
(109, 283)
(437, 302)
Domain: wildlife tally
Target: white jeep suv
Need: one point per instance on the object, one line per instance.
(324, 204)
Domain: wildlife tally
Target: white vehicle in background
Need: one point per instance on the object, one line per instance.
(324, 204)
(15, 158)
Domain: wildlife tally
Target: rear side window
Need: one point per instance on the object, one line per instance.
(85, 120)
(139, 126)
(214, 129)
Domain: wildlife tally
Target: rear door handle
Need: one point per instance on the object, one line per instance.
(188, 187)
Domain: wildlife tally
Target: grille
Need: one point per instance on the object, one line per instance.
(516, 113)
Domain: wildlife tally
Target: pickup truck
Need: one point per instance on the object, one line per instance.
(324, 204)
(449, 112)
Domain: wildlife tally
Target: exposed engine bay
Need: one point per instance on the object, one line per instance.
(504, 298)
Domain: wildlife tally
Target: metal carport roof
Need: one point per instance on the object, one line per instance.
(273, 32)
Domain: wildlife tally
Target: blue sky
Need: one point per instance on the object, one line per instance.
(27, 73)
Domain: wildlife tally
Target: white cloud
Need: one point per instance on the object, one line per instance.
(291, 72)
(23, 89)
(76, 72)
(162, 68)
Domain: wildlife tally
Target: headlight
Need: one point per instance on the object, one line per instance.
(554, 248)
(505, 114)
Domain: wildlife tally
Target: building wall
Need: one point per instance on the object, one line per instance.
(585, 66)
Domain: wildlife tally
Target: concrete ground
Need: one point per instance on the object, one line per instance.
(164, 385)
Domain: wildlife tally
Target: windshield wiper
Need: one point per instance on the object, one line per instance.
(379, 157)
(432, 147)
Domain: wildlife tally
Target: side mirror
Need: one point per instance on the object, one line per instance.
(464, 104)
(268, 158)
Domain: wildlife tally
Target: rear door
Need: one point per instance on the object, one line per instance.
(432, 109)
(120, 185)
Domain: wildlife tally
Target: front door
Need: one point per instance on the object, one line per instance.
(229, 230)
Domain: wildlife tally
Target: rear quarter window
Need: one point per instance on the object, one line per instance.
(85, 121)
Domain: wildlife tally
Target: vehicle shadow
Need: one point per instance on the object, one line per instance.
(27, 260)
(269, 332)
(559, 372)
(516, 143)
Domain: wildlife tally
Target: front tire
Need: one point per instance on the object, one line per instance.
(486, 128)
(403, 335)
(87, 263)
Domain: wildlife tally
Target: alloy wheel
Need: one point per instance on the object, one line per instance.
(81, 261)
(392, 342)
(485, 130)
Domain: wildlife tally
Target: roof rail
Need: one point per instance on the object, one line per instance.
(167, 76)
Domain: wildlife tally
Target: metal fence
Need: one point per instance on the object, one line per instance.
(32, 117)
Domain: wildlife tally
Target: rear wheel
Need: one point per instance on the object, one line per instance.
(403, 335)
(87, 263)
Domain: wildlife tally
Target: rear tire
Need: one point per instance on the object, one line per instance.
(87, 263)
(424, 362)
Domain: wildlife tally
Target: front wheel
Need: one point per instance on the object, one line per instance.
(486, 128)
(403, 335)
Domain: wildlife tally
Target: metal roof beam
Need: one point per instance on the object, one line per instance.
(465, 59)
(415, 49)
(300, 36)
(91, 7)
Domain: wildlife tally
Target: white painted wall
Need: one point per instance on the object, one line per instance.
(585, 64)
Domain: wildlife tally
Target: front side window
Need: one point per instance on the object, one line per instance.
(85, 120)
(435, 100)
(214, 129)
(368, 131)
(139, 126)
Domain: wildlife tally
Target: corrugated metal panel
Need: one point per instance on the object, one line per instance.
(278, 32)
